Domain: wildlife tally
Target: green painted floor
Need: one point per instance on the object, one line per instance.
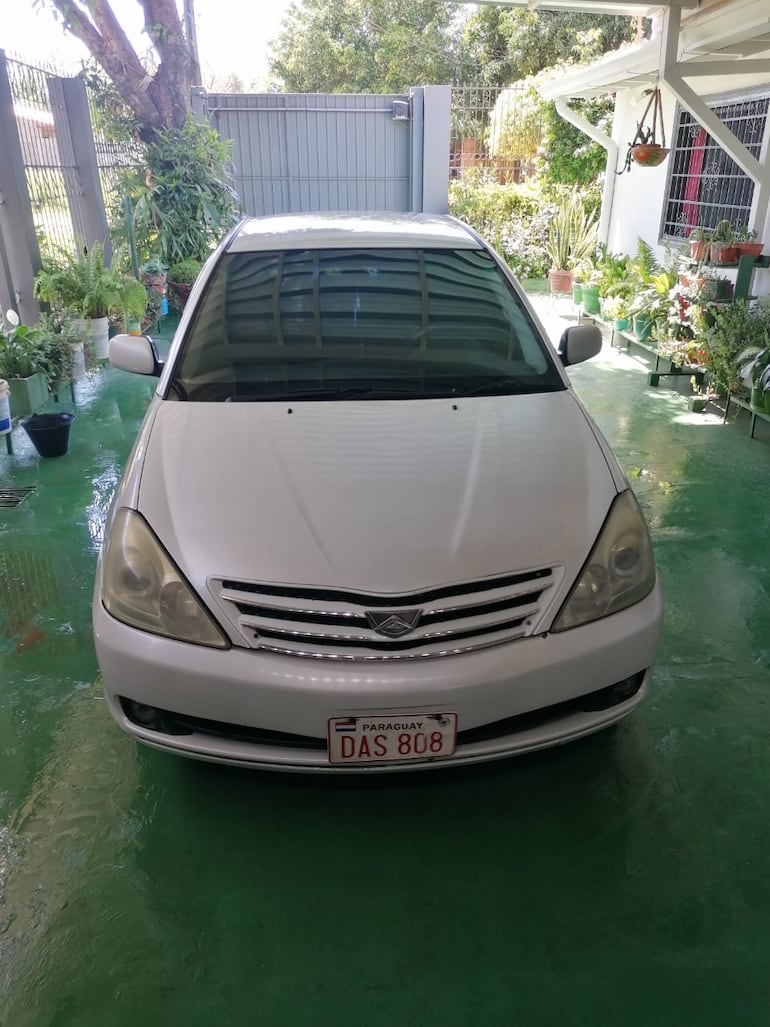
(622, 880)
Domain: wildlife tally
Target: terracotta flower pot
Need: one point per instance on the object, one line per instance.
(749, 249)
(649, 155)
(561, 281)
(699, 249)
(721, 253)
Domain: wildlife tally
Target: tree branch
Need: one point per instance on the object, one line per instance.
(178, 69)
(115, 54)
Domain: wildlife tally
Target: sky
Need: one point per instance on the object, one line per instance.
(232, 34)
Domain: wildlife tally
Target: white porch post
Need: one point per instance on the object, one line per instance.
(609, 144)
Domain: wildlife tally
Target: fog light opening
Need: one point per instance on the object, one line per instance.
(144, 715)
(625, 689)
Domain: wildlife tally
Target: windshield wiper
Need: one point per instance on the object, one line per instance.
(502, 387)
(335, 393)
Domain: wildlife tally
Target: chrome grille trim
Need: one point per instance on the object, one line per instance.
(331, 624)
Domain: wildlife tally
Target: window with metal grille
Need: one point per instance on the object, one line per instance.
(705, 184)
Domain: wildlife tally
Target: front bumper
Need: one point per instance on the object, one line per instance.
(296, 696)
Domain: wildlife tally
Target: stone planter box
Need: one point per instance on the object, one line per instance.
(28, 395)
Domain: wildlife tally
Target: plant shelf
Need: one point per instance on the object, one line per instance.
(744, 404)
(653, 377)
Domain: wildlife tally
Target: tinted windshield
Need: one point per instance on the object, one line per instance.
(360, 324)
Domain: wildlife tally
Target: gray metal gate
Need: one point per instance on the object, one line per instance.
(305, 152)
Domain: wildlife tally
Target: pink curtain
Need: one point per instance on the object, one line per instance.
(697, 154)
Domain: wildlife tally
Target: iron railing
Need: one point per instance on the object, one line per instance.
(497, 130)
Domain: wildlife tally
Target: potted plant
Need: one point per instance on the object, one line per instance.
(132, 305)
(571, 241)
(154, 273)
(84, 284)
(700, 240)
(154, 310)
(617, 310)
(714, 289)
(753, 365)
(722, 249)
(64, 348)
(746, 242)
(181, 277)
(23, 364)
(612, 275)
(732, 329)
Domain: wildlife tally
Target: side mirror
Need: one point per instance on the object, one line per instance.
(135, 353)
(579, 343)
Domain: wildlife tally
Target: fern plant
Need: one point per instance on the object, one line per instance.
(81, 282)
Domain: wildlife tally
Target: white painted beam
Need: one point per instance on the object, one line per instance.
(696, 69)
(609, 144)
(671, 73)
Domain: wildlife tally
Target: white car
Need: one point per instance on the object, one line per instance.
(367, 524)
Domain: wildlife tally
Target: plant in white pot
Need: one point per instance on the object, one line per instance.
(84, 284)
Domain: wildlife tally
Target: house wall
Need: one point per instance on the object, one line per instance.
(640, 194)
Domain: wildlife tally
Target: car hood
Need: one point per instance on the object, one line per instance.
(385, 497)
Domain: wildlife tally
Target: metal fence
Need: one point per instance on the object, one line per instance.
(54, 173)
(50, 162)
(113, 157)
(45, 169)
(497, 130)
(301, 151)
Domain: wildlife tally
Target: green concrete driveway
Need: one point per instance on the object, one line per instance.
(621, 880)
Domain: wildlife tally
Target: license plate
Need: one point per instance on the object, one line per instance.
(391, 737)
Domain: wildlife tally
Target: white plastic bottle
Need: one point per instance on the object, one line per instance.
(5, 407)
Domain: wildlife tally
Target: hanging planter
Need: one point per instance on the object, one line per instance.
(648, 148)
(649, 155)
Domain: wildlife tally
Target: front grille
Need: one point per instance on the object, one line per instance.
(333, 623)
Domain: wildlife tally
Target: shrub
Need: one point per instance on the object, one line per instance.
(513, 218)
(182, 201)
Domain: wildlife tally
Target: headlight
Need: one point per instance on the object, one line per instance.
(619, 572)
(142, 587)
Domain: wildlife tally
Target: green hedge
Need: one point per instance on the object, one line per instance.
(513, 218)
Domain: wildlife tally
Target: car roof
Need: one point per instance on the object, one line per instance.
(351, 231)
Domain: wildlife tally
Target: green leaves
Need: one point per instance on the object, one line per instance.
(572, 233)
(366, 46)
(182, 200)
(81, 282)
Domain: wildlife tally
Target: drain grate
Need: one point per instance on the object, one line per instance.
(15, 497)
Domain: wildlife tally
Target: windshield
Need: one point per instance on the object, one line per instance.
(359, 324)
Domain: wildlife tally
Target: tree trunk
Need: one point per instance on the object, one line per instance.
(157, 101)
